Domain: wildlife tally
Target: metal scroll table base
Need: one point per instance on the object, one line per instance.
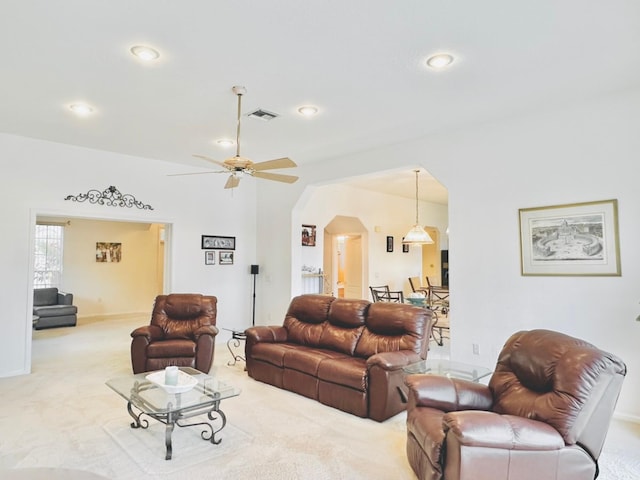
(233, 344)
(173, 417)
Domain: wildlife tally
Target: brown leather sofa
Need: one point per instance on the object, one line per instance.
(345, 353)
(182, 332)
(544, 414)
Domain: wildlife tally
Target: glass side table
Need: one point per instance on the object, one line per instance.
(448, 368)
(445, 368)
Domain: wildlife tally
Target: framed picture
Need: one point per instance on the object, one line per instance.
(389, 244)
(107, 252)
(571, 240)
(225, 258)
(405, 247)
(308, 235)
(209, 257)
(215, 242)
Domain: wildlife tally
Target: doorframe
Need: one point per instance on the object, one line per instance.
(34, 213)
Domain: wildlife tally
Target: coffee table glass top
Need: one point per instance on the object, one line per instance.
(150, 398)
(448, 368)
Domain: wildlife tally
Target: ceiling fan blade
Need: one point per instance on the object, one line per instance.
(232, 182)
(212, 161)
(192, 173)
(276, 176)
(284, 162)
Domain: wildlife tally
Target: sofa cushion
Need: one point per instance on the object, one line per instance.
(346, 321)
(45, 296)
(391, 327)
(306, 317)
(308, 360)
(348, 371)
(272, 353)
(55, 310)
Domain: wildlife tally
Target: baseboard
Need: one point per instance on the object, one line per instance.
(110, 316)
(626, 417)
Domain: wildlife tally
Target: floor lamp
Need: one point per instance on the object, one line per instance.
(254, 271)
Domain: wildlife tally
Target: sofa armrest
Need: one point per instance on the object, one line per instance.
(393, 360)
(492, 430)
(151, 332)
(447, 394)
(266, 334)
(65, 298)
(211, 330)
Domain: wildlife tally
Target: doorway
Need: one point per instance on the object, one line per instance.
(431, 258)
(346, 262)
(121, 287)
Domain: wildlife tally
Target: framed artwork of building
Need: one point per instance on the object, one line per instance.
(571, 240)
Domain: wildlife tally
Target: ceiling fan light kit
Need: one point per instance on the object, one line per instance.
(238, 166)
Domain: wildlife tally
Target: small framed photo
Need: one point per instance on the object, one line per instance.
(209, 257)
(571, 240)
(215, 242)
(225, 258)
(405, 247)
(308, 235)
(389, 244)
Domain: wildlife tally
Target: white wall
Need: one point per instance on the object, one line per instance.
(393, 216)
(100, 288)
(571, 154)
(38, 175)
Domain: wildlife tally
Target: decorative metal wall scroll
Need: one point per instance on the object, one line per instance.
(111, 197)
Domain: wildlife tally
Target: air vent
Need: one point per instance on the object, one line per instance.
(263, 115)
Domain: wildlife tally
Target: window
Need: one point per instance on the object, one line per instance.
(48, 256)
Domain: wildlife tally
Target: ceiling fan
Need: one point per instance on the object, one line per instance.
(239, 166)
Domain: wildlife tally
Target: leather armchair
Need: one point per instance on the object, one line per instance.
(182, 332)
(544, 414)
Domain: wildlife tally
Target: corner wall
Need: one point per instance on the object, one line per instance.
(37, 176)
(570, 154)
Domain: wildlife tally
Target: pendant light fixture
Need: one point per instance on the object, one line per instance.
(417, 235)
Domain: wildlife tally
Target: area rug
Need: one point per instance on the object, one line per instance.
(146, 447)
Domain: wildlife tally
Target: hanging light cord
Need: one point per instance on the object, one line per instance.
(417, 171)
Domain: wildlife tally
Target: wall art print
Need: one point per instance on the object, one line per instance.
(308, 235)
(573, 239)
(107, 252)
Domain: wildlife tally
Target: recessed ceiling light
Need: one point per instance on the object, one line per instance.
(440, 61)
(81, 109)
(308, 110)
(146, 54)
(225, 142)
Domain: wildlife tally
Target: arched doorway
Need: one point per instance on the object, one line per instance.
(345, 259)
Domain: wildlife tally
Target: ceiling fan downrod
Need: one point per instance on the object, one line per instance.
(239, 91)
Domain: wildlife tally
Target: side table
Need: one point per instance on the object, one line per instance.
(445, 368)
(234, 343)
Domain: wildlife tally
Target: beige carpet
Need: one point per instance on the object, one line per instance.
(63, 416)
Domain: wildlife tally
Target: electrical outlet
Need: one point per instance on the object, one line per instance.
(476, 349)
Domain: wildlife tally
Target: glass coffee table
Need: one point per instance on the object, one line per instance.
(448, 368)
(146, 398)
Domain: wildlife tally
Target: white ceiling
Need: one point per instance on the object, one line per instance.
(360, 61)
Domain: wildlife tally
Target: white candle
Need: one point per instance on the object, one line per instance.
(171, 375)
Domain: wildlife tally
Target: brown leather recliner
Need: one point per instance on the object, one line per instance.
(544, 414)
(182, 332)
